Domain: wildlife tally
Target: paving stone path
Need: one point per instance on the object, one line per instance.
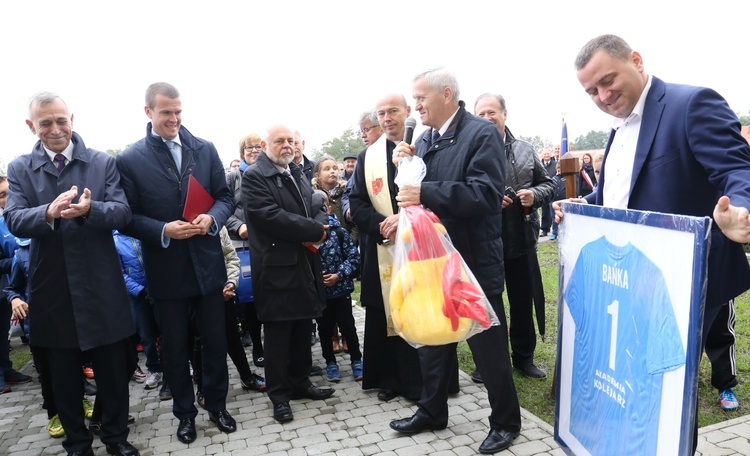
(351, 423)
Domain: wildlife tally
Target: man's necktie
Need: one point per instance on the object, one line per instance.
(287, 173)
(177, 157)
(435, 136)
(60, 162)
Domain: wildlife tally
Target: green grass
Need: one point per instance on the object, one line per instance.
(20, 355)
(535, 395)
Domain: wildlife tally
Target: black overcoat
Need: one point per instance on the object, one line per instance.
(287, 278)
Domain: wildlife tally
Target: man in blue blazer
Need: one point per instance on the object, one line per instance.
(687, 156)
(183, 259)
(675, 149)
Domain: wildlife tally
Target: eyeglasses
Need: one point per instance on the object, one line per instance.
(252, 148)
(366, 130)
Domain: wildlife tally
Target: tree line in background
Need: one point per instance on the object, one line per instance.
(591, 140)
(350, 142)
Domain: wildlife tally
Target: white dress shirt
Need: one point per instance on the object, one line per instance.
(621, 156)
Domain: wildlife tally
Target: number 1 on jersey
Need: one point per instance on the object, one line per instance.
(612, 310)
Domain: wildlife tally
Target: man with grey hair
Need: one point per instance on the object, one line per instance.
(284, 231)
(369, 128)
(527, 188)
(182, 254)
(464, 186)
(300, 159)
(370, 131)
(76, 287)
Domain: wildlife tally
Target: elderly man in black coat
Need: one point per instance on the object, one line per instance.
(284, 231)
(464, 186)
(68, 199)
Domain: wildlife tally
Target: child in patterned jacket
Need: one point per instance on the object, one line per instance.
(340, 259)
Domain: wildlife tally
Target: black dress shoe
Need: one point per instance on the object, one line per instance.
(88, 452)
(386, 394)
(497, 441)
(223, 420)
(186, 430)
(314, 393)
(123, 449)
(415, 425)
(531, 371)
(476, 377)
(282, 412)
(165, 393)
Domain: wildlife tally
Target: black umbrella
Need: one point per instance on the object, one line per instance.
(537, 289)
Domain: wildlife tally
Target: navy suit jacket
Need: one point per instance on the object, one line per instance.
(689, 153)
(76, 292)
(156, 192)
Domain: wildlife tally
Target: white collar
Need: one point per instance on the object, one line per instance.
(67, 152)
(637, 110)
(175, 140)
(447, 123)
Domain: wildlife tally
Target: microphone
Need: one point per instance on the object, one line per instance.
(409, 125)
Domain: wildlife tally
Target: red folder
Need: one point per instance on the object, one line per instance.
(198, 201)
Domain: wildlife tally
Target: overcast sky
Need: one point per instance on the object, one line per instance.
(241, 66)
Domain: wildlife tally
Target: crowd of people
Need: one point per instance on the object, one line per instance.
(125, 242)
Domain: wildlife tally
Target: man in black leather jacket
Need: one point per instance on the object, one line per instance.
(528, 187)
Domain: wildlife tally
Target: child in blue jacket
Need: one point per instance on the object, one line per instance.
(340, 259)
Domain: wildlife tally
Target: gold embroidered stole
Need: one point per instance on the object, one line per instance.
(376, 178)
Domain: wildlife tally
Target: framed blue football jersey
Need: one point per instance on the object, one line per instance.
(632, 290)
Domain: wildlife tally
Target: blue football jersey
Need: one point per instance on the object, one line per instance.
(626, 337)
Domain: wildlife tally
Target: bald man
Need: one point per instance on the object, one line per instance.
(287, 275)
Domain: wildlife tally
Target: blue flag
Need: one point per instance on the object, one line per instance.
(564, 141)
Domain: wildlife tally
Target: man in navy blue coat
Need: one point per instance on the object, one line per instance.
(464, 186)
(67, 198)
(675, 149)
(687, 157)
(183, 259)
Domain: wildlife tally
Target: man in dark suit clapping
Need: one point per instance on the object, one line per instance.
(68, 199)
